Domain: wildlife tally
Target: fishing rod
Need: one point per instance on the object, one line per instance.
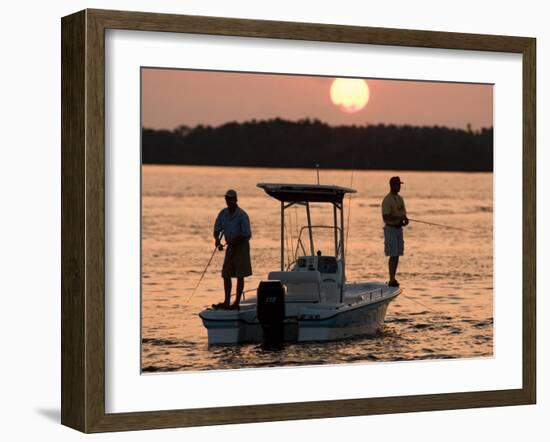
(216, 248)
(440, 225)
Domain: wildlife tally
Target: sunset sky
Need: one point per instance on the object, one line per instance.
(173, 97)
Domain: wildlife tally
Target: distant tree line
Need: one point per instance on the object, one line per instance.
(304, 143)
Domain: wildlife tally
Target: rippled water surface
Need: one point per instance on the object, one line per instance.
(445, 311)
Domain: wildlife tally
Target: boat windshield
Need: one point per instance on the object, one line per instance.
(326, 242)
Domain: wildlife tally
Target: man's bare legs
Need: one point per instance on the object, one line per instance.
(392, 267)
(240, 289)
(227, 288)
(227, 285)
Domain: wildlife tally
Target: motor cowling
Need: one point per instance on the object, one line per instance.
(271, 310)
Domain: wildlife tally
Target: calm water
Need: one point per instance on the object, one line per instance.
(446, 310)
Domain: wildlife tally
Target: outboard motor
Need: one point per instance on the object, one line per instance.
(271, 311)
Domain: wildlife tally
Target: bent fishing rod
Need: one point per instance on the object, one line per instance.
(439, 225)
(216, 248)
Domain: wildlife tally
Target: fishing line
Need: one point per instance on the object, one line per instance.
(440, 225)
(420, 303)
(443, 314)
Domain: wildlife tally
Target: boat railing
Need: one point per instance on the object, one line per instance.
(372, 295)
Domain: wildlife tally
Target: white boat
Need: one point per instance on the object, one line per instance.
(309, 299)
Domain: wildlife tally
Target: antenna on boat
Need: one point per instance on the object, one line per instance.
(317, 167)
(349, 204)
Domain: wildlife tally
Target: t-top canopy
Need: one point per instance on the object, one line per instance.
(316, 193)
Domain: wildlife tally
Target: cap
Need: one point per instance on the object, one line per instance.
(396, 179)
(231, 194)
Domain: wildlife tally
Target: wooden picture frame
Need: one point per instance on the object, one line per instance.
(83, 220)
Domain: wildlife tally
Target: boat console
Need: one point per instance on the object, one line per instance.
(311, 279)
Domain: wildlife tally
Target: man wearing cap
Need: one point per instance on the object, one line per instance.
(395, 218)
(234, 223)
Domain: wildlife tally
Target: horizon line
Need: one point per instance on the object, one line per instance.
(317, 120)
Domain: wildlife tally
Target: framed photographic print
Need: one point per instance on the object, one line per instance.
(268, 221)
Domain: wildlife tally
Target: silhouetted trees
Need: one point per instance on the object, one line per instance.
(281, 143)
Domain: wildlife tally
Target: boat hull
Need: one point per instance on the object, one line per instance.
(307, 324)
(362, 321)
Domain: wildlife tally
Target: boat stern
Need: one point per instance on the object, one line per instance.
(231, 326)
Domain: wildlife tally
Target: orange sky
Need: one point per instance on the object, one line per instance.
(172, 97)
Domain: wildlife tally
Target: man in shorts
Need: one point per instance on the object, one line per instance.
(234, 223)
(395, 218)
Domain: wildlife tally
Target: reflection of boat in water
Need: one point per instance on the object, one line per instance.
(310, 300)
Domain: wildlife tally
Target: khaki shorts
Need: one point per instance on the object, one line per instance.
(393, 241)
(237, 261)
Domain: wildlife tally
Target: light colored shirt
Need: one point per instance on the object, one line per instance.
(233, 224)
(393, 205)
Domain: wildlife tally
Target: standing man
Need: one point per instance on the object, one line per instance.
(395, 218)
(233, 222)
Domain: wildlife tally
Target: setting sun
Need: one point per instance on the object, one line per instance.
(349, 94)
